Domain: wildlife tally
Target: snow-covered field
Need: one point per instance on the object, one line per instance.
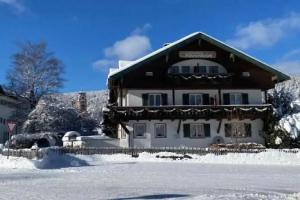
(270, 175)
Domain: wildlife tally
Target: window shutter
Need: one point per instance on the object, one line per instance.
(186, 130)
(248, 129)
(245, 98)
(164, 98)
(145, 98)
(226, 99)
(227, 130)
(207, 130)
(205, 98)
(185, 99)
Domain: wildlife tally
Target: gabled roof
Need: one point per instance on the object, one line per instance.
(189, 38)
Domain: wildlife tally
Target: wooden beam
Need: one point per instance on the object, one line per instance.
(178, 127)
(124, 127)
(219, 126)
(219, 95)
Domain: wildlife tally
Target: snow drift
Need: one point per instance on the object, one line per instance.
(55, 161)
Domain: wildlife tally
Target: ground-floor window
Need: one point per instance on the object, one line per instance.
(160, 130)
(238, 129)
(196, 130)
(139, 130)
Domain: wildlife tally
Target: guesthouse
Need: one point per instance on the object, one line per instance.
(193, 92)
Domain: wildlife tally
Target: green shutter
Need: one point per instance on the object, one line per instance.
(145, 99)
(227, 130)
(248, 129)
(207, 130)
(185, 99)
(186, 130)
(226, 99)
(205, 98)
(164, 98)
(245, 98)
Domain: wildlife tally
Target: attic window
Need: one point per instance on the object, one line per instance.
(149, 73)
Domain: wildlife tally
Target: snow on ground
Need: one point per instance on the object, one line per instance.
(119, 176)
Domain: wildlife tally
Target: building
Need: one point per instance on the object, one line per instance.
(81, 102)
(8, 106)
(193, 92)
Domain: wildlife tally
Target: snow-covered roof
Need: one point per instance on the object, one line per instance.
(116, 72)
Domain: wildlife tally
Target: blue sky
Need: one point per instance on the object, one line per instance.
(90, 35)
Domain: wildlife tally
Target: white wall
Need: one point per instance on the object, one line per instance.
(177, 140)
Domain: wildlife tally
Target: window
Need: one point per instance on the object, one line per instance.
(236, 98)
(139, 130)
(185, 70)
(197, 130)
(213, 70)
(175, 70)
(238, 130)
(160, 130)
(195, 99)
(155, 100)
(202, 69)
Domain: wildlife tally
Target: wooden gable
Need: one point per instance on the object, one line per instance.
(261, 76)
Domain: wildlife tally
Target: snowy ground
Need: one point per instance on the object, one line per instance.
(122, 177)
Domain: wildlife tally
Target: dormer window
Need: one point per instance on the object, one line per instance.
(213, 69)
(200, 69)
(185, 70)
(175, 70)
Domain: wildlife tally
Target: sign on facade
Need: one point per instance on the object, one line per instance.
(197, 54)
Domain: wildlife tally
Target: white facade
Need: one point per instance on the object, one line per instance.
(175, 138)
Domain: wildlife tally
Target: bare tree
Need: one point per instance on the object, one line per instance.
(34, 72)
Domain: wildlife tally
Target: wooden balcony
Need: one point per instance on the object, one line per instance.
(207, 112)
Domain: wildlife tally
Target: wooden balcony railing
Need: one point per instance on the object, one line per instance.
(248, 111)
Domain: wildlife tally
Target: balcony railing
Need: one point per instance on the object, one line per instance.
(249, 111)
(219, 76)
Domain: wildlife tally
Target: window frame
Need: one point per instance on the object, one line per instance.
(240, 135)
(197, 135)
(235, 95)
(165, 130)
(155, 95)
(134, 130)
(210, 69)
(194, 95)
(187, 67)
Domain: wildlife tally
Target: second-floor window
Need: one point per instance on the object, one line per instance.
(235, 98)
(155, 99)
(195, 99)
